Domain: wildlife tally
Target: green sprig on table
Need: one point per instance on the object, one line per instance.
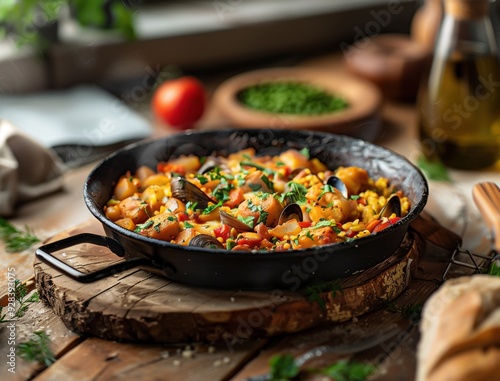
(22, 302)
(314, 291)
(37, 349)
(16, 240)
(285, 368)
(433, 169)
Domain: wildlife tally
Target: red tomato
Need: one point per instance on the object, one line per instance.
(386, 224)
(305, 224)
(179, 102)
(222, 231)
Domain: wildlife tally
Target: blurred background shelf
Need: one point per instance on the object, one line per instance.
(200, 36)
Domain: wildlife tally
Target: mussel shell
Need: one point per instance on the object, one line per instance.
(233, 222)
(206, 241)
(338, 184)
(291, 211)
(186, 192)
(210, 163)
(393, 205)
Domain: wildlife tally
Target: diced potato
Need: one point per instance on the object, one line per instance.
(125, 187)
(153, 195)
(126, 223)
(136, 209)
(163, 226)
(174, 205)
(158, 179)
(294, 159)
(185, 236)
(113, 212)
(355, 178)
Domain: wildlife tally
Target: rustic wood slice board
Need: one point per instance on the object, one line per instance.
(136, 305)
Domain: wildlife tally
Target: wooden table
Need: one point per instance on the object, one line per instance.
(80, 358)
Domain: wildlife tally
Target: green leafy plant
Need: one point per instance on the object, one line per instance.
(24, 20)
(37, 348)
(15, 239)
(494, 269)
(314, 291)
(22, 302)
(433, 169)
(344, 370)
(283, 368)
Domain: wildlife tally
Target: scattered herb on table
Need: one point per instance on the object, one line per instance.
(433, 169)
(15, 239)
(344, 370)
(22, 302)
(283, 368)
(494, 269)
(290, 98)
(314, 291)
(37, 348)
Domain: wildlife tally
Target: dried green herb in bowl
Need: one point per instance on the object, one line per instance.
(293, 98)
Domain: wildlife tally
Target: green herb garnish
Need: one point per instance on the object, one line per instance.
(191, 205)
(202, 179)
(22, 303)
(324, 224)
(247, 220)
(494, 269)
(16, 240)
(433, 169)
(37, 348)
(255, 187)
(209, 209)
(187, 225)
(327, 188)
(283, 368)
(305, 152)
(355, 197)
(268, 182)
(296, 194)
(314, 291)
(140, 227)
(344, 370)
(290, 98)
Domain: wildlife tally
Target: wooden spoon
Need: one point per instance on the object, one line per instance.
(486, 195)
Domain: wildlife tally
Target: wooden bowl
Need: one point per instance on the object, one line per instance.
(360, 119)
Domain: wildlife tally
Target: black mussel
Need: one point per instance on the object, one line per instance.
(233, 222)
(291, 211)
(206, 241)
(186, 192)
(338, 184)
(210, 164)
(393, 205)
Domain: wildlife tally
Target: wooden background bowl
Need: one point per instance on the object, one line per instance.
(360, 119)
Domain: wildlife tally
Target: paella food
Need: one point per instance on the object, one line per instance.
(248, 202)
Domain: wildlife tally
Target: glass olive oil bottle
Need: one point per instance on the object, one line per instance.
(459, 102)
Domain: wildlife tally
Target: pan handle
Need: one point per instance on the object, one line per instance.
(44, 253)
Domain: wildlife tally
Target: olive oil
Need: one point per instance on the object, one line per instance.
(460, 113)
(459, 102)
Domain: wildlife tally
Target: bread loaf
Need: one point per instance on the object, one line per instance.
(460, 331)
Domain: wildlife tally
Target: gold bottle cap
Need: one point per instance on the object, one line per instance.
(467, 9)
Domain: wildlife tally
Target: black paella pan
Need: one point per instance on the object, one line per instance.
(244, 270)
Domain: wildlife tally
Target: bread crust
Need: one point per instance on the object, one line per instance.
(461, 331)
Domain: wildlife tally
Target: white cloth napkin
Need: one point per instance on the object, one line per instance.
(27, 169)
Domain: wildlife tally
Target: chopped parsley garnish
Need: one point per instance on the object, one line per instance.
(221, 192)
(296, 194)
(324, 224)
(309, 235)
(259, 167)
(327, 188)
(191, 205)
(247, 220)
(202, 179)
(157, 227)
(355, 197)
(171, 218)
(305, 152)
(140, 227)
(268, 182)
(263, 217)
(209, 209)
(187, 225)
